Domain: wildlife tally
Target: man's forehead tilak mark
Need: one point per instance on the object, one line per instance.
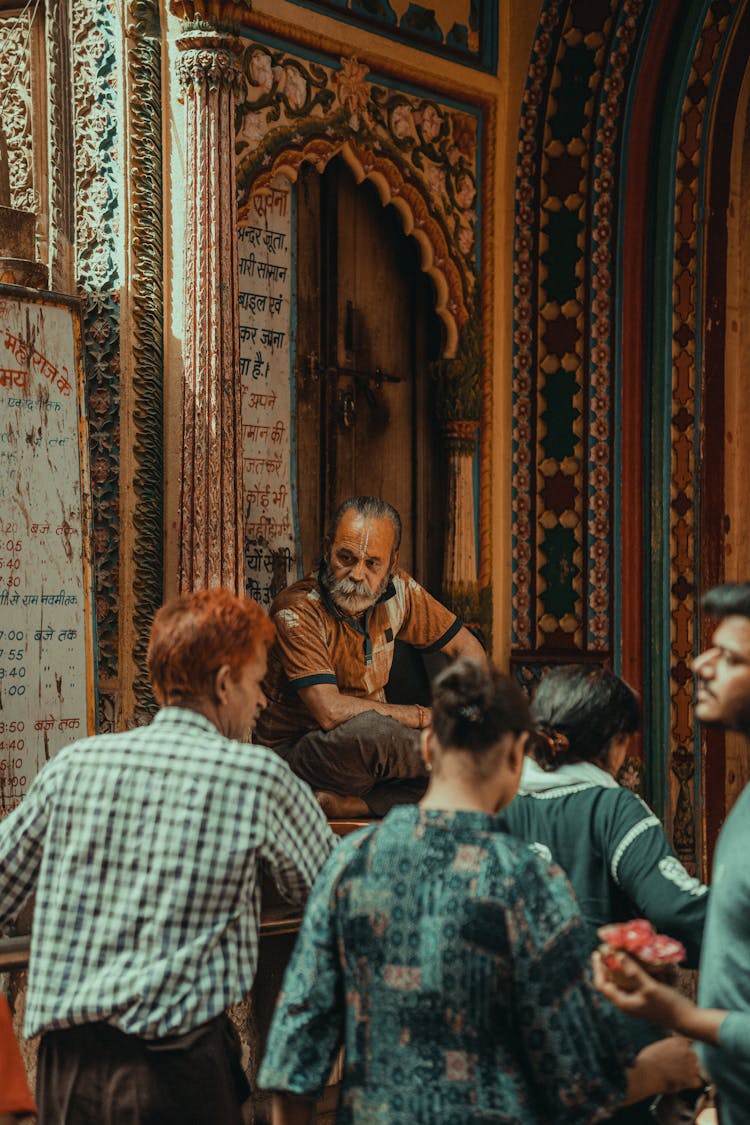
(357, 538)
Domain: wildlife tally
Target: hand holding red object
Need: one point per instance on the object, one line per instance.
(656, 953)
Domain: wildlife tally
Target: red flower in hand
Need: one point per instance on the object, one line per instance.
(657, 953)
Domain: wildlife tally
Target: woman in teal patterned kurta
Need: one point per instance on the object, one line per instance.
(447, 957)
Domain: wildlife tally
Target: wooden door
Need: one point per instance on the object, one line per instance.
(366, 333)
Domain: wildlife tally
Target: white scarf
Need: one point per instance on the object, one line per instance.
(536, 780)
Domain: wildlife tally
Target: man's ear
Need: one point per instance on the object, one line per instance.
(394, 562)
(221, 683)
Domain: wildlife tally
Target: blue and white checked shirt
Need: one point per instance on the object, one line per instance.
(144, 849)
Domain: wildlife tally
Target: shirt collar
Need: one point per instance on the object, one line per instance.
(448, 819)
(185, 717)
(536, 780)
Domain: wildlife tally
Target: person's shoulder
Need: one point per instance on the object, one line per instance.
(534, 877)
(620, 819)
(82, 747)
(261, 762)
(408, 591)
(349, 858)
(509, 850)
(296, 592)
(402, 580)
(413, 593)
(299, 600)
(359, 841)
(618, 801)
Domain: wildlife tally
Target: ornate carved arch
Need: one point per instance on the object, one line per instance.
(422, 155)
(410, 202)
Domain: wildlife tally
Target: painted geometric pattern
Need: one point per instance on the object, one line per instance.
(422, 153)
(564, 319)
(689, 172)
(15, 120)
(98, 143)
(464, 30)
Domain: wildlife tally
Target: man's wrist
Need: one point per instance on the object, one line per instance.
(421, 717)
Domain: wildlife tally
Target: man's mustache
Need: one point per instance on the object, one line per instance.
(350, 586)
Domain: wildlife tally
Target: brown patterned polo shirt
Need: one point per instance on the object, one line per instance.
(316, 644)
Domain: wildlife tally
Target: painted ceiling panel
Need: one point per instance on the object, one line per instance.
(462, 30)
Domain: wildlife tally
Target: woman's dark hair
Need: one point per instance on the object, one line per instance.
(577, 711)
(473, 707)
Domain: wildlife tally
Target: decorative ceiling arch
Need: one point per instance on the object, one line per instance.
(408, 200)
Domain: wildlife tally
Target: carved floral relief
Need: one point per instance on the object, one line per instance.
(98, 216)
(310, 110)
(15, 110)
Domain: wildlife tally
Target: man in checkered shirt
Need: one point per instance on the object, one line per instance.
(144, 849)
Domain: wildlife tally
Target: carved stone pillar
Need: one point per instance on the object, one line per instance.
(460, 560)
(211, 518)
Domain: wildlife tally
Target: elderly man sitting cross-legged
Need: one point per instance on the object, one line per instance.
(327, 713)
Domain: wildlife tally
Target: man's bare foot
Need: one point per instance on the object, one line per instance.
(341, 808)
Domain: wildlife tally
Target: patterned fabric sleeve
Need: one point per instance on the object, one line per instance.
(427, 624)
(308, 1024)
(302, 644)
(573, 1043)
(644, 866)
(298, 837)
(21, 841)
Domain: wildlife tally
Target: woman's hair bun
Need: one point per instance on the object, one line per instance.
(471, 712)
(474, 706)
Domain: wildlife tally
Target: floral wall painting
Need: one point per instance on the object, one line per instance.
(462, 30)
(421, 153)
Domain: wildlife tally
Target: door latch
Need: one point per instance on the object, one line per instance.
(347, 408)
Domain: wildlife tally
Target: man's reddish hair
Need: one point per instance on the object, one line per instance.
(192, 636)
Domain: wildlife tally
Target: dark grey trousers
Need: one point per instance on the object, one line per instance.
(371, 756)
(95, 1074)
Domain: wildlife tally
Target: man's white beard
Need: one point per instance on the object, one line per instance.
(349, 596)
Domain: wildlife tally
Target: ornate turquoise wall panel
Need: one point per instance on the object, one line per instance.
(462, 30)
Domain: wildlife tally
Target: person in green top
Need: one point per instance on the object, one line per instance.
(571, 810)
(721, 1020)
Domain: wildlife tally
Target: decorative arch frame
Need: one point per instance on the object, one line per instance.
(411, 205)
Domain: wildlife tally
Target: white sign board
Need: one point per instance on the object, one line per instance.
(47, 656)
(265, 290)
